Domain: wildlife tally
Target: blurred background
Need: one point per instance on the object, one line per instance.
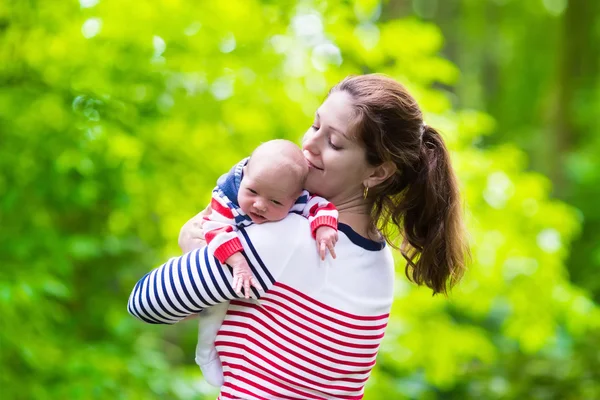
(117, 116)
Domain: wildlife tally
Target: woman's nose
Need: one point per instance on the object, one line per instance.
(311, 143)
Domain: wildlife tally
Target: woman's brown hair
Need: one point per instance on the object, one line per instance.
(421, 201)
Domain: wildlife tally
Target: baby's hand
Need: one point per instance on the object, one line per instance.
(242, 274)
(326, 237)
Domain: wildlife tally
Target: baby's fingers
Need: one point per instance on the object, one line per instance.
(331, 247)
(323, 250)
(236, 284)
(247, 287)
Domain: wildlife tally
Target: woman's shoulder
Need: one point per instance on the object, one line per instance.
(360, 280)
(272, 245)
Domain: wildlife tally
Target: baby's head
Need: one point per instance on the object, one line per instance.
(273, 180)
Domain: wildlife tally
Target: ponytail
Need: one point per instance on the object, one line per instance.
(433, 233)
(426, 211)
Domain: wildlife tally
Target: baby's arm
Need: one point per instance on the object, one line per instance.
(220, 232)
(323, 218)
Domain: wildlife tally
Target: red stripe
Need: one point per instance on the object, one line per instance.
(209, 235)
(282, 378)
(304, 378)
(221, 209)
(328, 207)
(320, 314)
(305, 328)
(301, 346)
(307, 360)
(300, 335)
(304, 395)
(270, 380)
(329, 308)
(239, 389)
(313, 209)
(242, 348)
(319, 324)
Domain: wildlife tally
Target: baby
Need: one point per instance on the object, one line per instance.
(265, 187)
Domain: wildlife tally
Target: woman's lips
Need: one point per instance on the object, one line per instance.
(311, 165)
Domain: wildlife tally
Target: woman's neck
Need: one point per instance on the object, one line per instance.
(355, 213)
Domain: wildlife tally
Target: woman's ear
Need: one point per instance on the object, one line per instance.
(380, 174)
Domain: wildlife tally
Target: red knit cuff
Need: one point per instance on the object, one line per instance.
(323, 220)
(227, 249)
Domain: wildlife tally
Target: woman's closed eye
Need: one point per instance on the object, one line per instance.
(333, 146)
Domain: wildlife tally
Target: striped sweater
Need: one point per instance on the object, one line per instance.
(221, 224)
(313, 329)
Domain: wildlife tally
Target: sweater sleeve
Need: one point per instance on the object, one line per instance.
(220, 229)
(187, 284)
(320, 212)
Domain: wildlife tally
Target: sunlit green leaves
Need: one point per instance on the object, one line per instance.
(116, 117)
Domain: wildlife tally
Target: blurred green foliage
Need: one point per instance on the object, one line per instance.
(116, 117)
(535, 67)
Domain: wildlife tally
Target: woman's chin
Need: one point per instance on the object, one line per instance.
(313, 185)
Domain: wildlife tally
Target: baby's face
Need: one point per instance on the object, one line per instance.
(267, 194)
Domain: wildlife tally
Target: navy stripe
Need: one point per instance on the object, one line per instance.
(231, 273)
(164, 268)
(225, 279)
(137, 315)
(130, 304)
(194, 283)
(183, 285)
(360, 240)
(303, 199)
(159, 303)
(172, 280)
(138, 295)
(208, 268)
(145, 319)
(147, 283)
(212, 275)
(260, 262)
(256, 275)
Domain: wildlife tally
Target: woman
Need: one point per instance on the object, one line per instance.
(313, 330)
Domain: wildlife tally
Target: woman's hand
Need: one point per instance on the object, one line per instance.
(191, 235)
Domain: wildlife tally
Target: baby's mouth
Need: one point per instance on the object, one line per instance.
(257, 216)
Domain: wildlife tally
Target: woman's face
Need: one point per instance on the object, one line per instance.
(337, 160)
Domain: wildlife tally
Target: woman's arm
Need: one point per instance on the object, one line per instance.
(182, 286)
(187, 284)
(191, 235)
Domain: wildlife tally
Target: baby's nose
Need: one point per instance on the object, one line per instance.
(260, 206)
